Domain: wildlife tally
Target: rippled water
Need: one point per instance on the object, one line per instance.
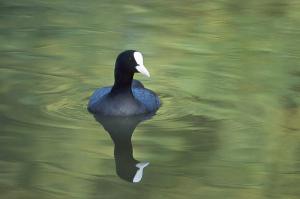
(227, 72)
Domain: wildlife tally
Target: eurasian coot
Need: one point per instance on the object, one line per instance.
(127, 96)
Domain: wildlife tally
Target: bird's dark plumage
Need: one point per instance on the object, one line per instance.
(127, 96)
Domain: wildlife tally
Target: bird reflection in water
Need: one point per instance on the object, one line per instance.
(120, 130)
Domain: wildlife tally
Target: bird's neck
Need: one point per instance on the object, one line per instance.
(122, 83)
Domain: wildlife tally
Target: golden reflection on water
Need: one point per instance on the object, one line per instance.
(227, 73)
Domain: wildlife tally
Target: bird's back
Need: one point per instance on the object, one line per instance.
(147, 97)
(142, 101)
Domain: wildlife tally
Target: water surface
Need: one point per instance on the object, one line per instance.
(227, 72)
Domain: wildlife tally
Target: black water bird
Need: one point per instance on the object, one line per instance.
(127, 96)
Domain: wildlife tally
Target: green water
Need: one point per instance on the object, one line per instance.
(227, 72)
